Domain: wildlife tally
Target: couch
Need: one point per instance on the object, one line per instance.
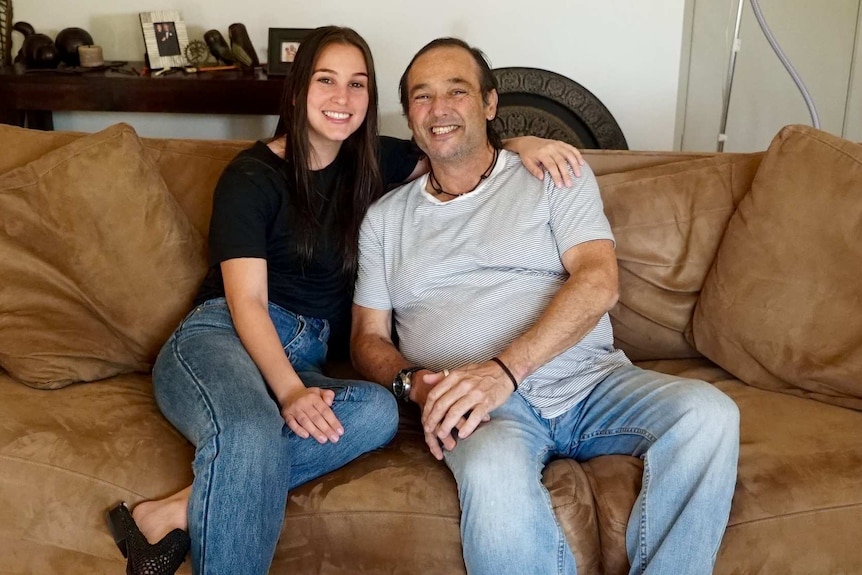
(744, 270)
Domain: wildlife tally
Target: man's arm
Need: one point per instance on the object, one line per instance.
(589, 293)
(371, 349)
(376, 358)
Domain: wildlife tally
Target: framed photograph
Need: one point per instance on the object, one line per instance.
(281, 50)
(165, 38)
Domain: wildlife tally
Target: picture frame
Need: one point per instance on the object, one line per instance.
(165, 38)
(281, 49)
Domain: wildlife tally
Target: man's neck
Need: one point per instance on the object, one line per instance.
(460, 176)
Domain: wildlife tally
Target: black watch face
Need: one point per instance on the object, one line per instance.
(398, 387)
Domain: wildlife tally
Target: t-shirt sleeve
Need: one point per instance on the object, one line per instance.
(371, 289)
(577, 213)
(244, 205)
(398, 159)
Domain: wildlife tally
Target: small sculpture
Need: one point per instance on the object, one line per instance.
(218, 47)
(242, 47)
(68, 41)
(38, 50)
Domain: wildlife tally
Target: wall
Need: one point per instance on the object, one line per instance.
(820, 41)
(627, 52)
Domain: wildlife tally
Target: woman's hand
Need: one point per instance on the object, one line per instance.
(308, 413)
(539, 154)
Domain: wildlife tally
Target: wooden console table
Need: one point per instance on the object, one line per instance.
(28, 99)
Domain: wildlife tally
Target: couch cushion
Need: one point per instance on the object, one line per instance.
(797, 507)
(66, 457)
(190, 168)
(668, 221)
(98, 262)
(29, 145)
(782, 306)
(61, 468)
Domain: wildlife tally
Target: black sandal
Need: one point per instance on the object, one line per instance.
(163, 558)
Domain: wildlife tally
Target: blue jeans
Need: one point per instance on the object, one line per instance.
(247, 458)
(686, 432)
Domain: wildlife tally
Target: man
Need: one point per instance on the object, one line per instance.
(500, 287)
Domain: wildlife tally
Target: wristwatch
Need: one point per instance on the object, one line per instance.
(401, 385)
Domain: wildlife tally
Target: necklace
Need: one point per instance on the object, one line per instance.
(438, 189)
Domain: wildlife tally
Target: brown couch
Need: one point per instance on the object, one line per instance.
(744, 270)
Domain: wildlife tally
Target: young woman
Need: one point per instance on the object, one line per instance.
(241, 377)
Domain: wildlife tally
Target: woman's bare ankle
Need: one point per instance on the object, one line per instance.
(159, 517)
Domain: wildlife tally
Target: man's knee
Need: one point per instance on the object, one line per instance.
(494, 468)
(712, 415)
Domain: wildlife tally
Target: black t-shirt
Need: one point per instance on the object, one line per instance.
(251, 217)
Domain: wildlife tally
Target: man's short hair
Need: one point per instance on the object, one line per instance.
(487, 80)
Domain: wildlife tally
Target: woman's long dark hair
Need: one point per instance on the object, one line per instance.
(358, 182)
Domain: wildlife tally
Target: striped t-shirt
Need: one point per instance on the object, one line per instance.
(466, 277)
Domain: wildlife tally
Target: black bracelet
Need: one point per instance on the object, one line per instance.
(502, 365)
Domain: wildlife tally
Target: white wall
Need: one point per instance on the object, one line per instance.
(820, 44)
(627, 52)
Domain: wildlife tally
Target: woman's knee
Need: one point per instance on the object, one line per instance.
(373, 408)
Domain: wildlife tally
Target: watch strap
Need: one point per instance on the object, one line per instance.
(402, 383)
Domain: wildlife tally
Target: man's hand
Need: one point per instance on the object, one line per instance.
(461, 400)
(423, 382)
(308, 412)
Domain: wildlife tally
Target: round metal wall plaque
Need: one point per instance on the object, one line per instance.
(541, 103)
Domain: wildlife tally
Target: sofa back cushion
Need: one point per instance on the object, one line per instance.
(190, 168)
(98, 261)
(781, 308)
(668, 221)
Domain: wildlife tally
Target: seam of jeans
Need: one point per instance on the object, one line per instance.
(619, 431)
(302, 327)
(209, 473)
(643, 526)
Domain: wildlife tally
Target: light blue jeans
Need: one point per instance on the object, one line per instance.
(247, 458)
(686, 432)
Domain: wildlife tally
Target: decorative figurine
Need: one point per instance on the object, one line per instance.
(218, 47)
(241, 46)
(68, 41)
(38, 50)
(196, 52)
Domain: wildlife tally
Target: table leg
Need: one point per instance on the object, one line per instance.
(39, 120)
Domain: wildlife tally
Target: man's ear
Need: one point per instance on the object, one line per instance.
(491, 106)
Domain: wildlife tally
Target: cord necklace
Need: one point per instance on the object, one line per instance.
(438, 189)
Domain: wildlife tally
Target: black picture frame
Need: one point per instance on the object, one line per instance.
(283, 43)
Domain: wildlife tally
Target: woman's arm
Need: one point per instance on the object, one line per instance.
(306, 410)
(540, 154)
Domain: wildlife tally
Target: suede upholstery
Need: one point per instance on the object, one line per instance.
(668, 221)
(98, 259)
(67, 455)
(795, 324)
